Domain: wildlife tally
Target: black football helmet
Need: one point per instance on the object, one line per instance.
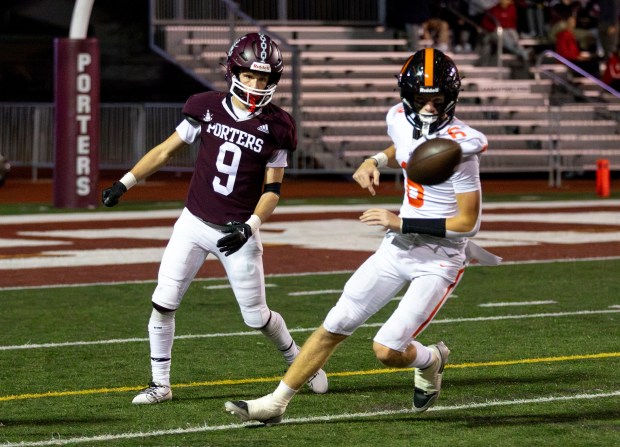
(257, 52)
(428, 75)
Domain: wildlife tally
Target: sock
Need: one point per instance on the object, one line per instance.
(424, 356)
(283, 394)
(276, 331)
(161, 336)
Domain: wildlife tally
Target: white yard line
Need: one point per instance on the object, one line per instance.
(310, 419)
(311, 329)
(518, 303)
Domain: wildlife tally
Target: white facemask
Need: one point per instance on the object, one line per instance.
(251, 97)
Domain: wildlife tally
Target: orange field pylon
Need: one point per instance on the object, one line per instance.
(602, 178)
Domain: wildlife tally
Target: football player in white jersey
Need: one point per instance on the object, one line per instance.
(425, 246)
(244, 142)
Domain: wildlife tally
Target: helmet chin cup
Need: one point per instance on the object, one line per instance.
(427, 119)
(249, 96)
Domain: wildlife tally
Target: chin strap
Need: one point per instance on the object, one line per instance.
(427, 120)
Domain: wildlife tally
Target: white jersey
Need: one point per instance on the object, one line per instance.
(438, 201)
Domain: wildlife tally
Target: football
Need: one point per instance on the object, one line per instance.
(433, 161)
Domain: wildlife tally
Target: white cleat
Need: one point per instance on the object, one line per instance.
(155, 393)
(261, 410)
(318, 382)
(427, 384)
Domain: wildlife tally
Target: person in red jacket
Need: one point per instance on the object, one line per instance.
(504, 14)
(566, 45)
(611, 76)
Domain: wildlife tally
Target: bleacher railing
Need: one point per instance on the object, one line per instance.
(558, 158)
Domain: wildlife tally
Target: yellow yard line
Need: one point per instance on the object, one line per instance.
(603, 355)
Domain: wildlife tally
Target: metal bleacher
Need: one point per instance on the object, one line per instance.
(348, 82)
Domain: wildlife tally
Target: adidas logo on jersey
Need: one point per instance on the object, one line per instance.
(263, 128)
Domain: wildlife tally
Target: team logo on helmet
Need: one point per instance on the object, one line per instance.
(260, 66)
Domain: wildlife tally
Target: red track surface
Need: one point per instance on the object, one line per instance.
(278, 259)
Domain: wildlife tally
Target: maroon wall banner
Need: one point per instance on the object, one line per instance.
(76, 138)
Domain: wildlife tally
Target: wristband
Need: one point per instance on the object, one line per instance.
(129, 180)
(254, 222)
(381, 159)
(272, 187)
(433, 227)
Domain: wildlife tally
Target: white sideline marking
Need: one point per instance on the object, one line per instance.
(252, 333)
(327, 418)
(228, 286)
(517, 303)
(284, 209)
(314, 292)
(310, 234)
(11, 243)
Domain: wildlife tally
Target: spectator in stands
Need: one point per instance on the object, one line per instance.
(560, 10)
(419, 20)
(566, 45)
(532, 17)
(559, 14)
(608, 25)
(464, 29)
(588, 20)
(504, 14)
(611, 75)
(476, 10)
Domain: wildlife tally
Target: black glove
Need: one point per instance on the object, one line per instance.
(239, 235)
(110, 196)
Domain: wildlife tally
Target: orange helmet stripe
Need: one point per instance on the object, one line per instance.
(429, 76)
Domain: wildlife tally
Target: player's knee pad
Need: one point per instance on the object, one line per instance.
(166, 298)
(344, 318)
(161, 309)
(256, 317)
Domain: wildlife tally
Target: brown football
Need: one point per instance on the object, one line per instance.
(433, 161)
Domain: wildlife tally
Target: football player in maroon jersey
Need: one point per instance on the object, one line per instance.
(235, 187)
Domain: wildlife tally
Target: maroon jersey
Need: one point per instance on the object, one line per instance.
(230, 167)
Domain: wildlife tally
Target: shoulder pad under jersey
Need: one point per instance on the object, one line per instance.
(471, 140)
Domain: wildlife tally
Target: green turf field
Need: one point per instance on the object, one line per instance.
(541, 371)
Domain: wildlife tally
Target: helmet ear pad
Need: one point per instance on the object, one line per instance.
(429, 73)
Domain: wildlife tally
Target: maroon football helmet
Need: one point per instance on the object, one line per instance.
(257, 52)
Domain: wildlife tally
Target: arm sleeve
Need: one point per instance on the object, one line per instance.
(188, 131)
(279, 159)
